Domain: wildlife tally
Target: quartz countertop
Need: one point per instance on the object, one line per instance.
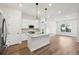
(37, 35)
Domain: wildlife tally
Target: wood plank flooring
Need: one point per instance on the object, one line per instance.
(59, 45)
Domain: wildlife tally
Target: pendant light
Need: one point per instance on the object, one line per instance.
(45, 14)
(45, 21)
(37, 12)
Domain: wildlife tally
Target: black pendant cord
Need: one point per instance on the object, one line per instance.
(36, 10)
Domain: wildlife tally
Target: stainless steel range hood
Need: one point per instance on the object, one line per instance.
(3, 33)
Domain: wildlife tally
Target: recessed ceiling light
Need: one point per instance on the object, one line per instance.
(20, 5)
(36, 21)
(59, 12)
(50, 4)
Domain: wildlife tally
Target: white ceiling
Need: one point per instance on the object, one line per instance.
(29, 9)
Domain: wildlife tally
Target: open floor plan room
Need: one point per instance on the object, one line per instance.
(39, 28)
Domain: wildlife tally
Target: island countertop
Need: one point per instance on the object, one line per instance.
(37, 35)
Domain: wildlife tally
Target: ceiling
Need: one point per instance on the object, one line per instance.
(57, 10)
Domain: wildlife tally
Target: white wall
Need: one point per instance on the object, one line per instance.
(51, 26)
(72, 22)
(13, 18)
(26, 22)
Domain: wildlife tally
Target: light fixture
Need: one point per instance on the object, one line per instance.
(36, 21)
(20, 5)
(50, 4)
(37, 12)
(45, 14)
(59, 12)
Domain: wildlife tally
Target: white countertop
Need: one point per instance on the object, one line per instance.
(37, 35)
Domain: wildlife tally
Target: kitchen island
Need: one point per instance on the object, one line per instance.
(36, 41)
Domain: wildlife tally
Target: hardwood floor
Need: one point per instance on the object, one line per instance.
(59, 45)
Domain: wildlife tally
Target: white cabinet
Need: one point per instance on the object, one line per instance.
(37, 41)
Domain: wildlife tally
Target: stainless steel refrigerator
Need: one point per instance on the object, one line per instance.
(3, 34)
